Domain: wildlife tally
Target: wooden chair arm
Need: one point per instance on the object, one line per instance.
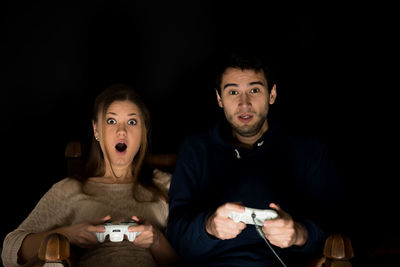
(337, 252)
(54, 248)
(338, 247)
(54, 251)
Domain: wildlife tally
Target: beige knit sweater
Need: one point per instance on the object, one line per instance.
(69, 201)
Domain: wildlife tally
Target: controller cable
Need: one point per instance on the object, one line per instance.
(260, 232)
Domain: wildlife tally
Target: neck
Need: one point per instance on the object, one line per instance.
(249, 141)
(118, 175)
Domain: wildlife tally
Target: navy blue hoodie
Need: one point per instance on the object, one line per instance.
(292, 172)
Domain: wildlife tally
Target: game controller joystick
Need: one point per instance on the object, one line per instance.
(117, 232)
(250, 215)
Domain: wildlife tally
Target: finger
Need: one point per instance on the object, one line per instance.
(138, 228)
(275, 223)
(108, 217)
(241, 226)
(231, 226)
(96, 228)
(141, 220)
(275, 206)
(229, 207)
(282, 213)
(135, 218)
(271, 229)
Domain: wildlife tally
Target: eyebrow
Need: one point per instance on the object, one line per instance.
(130, 114)
(236, 85)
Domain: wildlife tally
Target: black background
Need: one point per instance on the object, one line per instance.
(332, 83)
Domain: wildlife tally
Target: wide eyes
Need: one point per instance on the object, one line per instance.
(232, 92)
(255, 90)
(252, 91)
(132, 122)
(112, 121)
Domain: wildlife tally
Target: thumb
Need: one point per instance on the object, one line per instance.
(275, 206)
(96, 225)
(281, 212)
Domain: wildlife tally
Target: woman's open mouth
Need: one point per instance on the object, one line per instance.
(121, 147)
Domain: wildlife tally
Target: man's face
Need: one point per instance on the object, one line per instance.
(245, 100)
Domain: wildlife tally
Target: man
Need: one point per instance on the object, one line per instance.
(246, 162)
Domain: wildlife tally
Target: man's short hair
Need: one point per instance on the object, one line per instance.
(243, 61)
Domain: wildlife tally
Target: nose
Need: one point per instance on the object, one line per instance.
(244, 100)
(121, 130)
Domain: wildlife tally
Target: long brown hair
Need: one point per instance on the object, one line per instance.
(95, 163)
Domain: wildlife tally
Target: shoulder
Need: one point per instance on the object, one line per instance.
(195, 144)
(305, 148)
(196, 139)
(67, 186)
(193, 150)
(302, 142)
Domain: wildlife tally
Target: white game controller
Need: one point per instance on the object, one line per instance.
(117, 232)
(259, 216)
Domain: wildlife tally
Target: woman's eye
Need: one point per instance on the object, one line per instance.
(111, 121)
(132, 122)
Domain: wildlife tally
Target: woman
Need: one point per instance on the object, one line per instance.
(112, 187)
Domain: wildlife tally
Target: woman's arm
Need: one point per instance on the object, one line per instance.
(153, 239)
(30, 247)
(163, 252)
(80, 234)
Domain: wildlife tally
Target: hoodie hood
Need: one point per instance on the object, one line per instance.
(221, 136)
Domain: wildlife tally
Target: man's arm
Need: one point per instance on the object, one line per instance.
(187, 215)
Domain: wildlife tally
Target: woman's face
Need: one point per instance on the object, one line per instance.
(119, 134)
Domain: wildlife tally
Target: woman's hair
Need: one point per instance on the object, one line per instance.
(95, 163)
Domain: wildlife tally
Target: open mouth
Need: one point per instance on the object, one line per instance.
(245, 118)
(121, 147)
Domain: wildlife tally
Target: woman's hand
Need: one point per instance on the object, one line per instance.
(149, 235)
(153, 239)
(82, 234)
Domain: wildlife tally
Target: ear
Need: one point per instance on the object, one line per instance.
(272, 95)
(95, 130)
(219, 99)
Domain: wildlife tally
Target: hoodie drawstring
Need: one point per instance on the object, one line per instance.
(237, 154)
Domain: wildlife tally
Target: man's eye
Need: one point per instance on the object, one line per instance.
(254, 90)
(233, 93)
(111, 121)
(132, 122)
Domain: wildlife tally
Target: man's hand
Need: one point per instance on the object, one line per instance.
(283, 231)
(221, 226)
